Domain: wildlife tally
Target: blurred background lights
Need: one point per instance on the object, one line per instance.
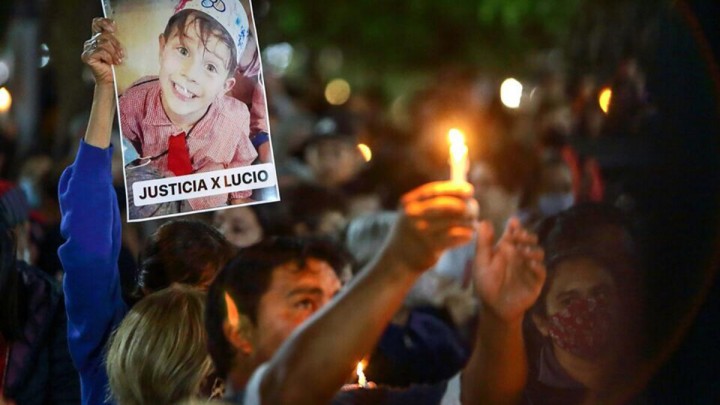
(399, 113)
(5, 100)
(44, 55)
(279, 56)
(337, 92)
(511, 93)
(365, 151)
(4, 73)
(604, 99)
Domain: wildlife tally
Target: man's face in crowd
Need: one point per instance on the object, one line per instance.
(293, 296)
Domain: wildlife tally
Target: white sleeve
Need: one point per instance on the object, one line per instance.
(252, 390)
(452, 392)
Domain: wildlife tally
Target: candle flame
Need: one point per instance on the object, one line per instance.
(604, 99)
(455, 136)
(5, 100)
(362, 381)
(458, 155)
(365, 151)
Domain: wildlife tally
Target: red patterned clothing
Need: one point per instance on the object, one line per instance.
(220, 140)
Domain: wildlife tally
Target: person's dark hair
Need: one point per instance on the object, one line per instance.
(206, 27)
(183, 251)
(597, 231)
(247, 278)
(274, 218)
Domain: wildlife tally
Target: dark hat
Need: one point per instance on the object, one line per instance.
(14, 207)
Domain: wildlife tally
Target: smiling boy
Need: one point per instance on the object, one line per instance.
(181, 121)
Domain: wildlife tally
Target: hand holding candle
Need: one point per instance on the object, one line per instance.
(458, 155)
(362, 382)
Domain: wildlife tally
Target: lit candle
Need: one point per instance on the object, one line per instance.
(362, 381)
(458, 155)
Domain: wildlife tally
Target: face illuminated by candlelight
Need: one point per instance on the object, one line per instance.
(263, 295)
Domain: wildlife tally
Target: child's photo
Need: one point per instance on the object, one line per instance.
(192, 107)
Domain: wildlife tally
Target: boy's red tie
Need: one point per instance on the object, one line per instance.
(178, 155)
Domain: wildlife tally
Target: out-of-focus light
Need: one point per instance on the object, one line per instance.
(362, 380)
(604, 99)
(533, 92)
(337, 92)
(456, 136)
(458, 155)
(365, 151)
(511, 93)
(44, 55)
(399, 111)
(4, 73)
(279, 56)
(5, 100)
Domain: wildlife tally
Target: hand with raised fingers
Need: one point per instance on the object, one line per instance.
(510, 275)
(102, 51)
(433, 217)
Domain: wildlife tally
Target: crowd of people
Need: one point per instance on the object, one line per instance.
(526, 284)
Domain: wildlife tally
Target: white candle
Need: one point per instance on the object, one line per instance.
(458, 155)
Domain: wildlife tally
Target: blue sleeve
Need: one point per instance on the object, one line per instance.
(64, 382)
(91, 229)
(259, 138)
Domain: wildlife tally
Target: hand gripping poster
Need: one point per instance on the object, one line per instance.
(192, 107)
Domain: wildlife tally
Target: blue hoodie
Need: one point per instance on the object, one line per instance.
(91, 228)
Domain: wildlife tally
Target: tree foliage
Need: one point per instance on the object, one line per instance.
(396, 35)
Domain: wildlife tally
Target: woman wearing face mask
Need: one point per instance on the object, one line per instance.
(574, 339)
(588, 308)
(556, 187)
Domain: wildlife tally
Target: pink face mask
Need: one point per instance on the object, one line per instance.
(582, 328)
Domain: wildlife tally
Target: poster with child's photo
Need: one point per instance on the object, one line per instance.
(192, 107)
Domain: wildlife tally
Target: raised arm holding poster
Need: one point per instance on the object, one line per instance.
(188, 144)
